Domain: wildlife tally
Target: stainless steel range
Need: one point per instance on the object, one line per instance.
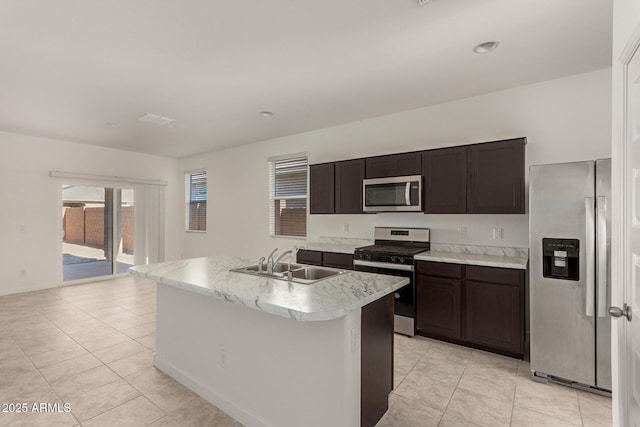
(393, 254)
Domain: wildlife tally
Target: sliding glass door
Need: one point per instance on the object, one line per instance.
(97, 230)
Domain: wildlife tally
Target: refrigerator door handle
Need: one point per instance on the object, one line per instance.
(601, 254)
(590, 246)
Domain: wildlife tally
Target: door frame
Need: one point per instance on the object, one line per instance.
(620, 291)
(85, 183)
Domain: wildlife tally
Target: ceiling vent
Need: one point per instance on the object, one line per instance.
(155, 119)
(423, 2)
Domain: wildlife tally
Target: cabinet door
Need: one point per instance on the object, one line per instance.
(321, 188)
(348, 190)
(445, 180)
(309, 257)
(438, 310)
(496, 177)
(376, 360)
(494, 314)
(394, 165)
(337, 260)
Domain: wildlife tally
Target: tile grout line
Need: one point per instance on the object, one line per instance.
(46, 381)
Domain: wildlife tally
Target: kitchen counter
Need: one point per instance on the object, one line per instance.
(326, 299)
(248, 343)
(487, 260)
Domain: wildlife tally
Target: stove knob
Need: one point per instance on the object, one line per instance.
(401, 260)
(367, 257)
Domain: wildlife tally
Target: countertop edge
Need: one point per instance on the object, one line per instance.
(273, 309)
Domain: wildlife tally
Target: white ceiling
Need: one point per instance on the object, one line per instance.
(68, 67)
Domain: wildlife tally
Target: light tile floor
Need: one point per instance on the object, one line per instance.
(91, 346)
(441, 384)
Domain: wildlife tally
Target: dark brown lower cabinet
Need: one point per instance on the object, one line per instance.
(494, 308)
(494, 316)
(309, 257)
(376, 360)
(438, 306)
(337, 260)
(325, 259)
(483, 308)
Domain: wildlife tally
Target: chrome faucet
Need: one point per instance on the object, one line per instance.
(282, 255)
(260, 262)
(270, 262)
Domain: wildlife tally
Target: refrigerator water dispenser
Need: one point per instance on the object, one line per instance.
(560, 258)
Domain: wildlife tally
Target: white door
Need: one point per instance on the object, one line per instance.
(630, 347)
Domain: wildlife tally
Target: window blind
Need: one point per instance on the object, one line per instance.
(196, 201)
(288, 197)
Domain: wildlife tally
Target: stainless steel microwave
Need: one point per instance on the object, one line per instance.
(396, 194)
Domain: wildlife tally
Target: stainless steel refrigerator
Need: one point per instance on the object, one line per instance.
(569, 287)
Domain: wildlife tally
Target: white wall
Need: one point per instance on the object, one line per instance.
(564, 120)
(29, 210)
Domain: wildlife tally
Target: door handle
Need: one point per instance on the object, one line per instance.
(407, 193)
(601, 254)
(619, 312)
(590, 249)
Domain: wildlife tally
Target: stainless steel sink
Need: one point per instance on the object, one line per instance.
(303, 274)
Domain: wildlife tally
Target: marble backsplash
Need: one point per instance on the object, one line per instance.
(480, 250)
(439, 247)
(345, 241)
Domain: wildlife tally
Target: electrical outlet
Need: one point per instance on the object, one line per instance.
(498, 233)
(224, 359)
(23, 272)
(462, 231)
(345, 227)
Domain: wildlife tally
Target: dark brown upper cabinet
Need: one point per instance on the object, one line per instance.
(348, 189)
(445, 180)
(496, 177)
(321, 188)
(394, 165)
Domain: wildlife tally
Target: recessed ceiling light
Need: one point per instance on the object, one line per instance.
(485, 47)
(266, 113)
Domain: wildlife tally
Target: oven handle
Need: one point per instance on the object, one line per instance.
(384, 265)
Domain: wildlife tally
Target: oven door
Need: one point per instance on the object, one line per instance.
(397, 194)
(404, 298)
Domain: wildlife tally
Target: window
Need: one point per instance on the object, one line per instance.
(288, 197)
(196, 200)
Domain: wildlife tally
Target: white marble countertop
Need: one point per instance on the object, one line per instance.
(324, 300)
(486, 260)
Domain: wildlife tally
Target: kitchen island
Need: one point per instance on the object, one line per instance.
(275, 353)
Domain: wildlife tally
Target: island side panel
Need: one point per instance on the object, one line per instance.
(376, 359)
(262, 369)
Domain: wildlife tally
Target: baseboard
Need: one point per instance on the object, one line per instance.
(23, 289)
(240, 414)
